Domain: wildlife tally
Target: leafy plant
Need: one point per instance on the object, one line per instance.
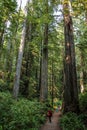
(5, 105)
(3, 85)
(70, 121)
(83, 102)
(20, 115)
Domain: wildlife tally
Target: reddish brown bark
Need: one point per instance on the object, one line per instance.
(70, 88)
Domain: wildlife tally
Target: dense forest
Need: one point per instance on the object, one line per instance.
(43, 61)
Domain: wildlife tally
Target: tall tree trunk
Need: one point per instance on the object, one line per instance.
(52, 83)
(19, 62)
(9, 61)
(40, 63)
(10, 49)
(2, 32)
(70, 88)
(1, 36)
(44, 68)
(28, 60)
(82, 74)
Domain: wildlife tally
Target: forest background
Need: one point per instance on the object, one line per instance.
(43, 60)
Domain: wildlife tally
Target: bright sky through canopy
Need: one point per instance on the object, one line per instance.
(23, 3)
(58, 12)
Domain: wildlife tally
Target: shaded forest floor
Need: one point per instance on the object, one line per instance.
(54, 125)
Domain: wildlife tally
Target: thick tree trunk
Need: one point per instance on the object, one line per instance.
(44, 67)
(70, 88)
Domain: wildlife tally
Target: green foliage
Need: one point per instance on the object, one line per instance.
(20, 115)
(83, 102)
(83, 118)
(3, 85)
(26, 114)
(70, 121)
(0, 127)
(7, 8)
(5, 105)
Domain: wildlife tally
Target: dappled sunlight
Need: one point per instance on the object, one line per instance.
(68, 44)
(68, 59)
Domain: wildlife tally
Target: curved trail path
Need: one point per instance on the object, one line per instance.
(54, 125)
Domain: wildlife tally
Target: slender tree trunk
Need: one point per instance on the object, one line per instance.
(40, 63)
(82, 74)
(52, 83)
(19, 62)
(1, 36)
(9, 61)
(28, 60)
(2, 32)
(70, 88)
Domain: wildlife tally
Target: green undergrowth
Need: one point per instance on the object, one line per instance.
(20, 115)
(83, 102)
(72, 121)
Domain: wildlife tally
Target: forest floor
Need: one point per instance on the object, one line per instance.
(54, 125)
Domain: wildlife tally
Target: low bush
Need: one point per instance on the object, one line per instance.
(83, 102)
(5, 106)
(3, 85)
(83, 118)
(20, 115)
(70, 121)
(26, 114)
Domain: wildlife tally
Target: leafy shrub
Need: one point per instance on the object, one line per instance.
(26, 114)
(5, 105)
(20, 115)
(83, 118)
(83, 102)
(71, 121)
(0, 127)
(3, 85)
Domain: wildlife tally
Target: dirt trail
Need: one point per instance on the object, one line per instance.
(54, 125)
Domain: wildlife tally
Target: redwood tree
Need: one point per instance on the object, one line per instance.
(70, 86)
(44, 65)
